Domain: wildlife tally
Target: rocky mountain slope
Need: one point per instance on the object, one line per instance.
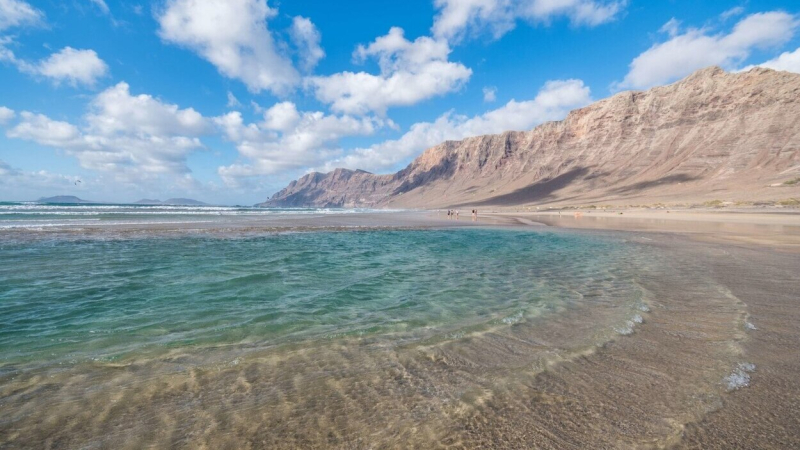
(713, 135)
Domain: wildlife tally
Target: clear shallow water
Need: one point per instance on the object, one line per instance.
(73, 301)
(461, 337)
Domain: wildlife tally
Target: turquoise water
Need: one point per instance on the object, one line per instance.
(67, 301)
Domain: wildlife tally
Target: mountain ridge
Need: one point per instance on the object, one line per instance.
(711, 135)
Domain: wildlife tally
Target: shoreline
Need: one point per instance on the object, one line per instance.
(778, 230)
(745, 249)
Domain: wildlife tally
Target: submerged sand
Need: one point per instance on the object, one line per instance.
(756, 257)
(712, 363)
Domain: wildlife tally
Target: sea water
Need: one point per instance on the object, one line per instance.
(68, 301)
(297, 339)
(35, 215)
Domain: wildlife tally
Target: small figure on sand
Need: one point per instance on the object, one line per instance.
(474, 215)
(456, 214)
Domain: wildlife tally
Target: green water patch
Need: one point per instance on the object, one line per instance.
(68, 301)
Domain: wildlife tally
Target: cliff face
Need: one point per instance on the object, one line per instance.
(342, 187)
(713, 135)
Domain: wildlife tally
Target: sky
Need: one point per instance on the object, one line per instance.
(226, 101)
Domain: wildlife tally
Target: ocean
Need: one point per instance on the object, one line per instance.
(37, 216)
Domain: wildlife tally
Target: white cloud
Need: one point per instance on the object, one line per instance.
(552, 102)
(286, 139)
(71, 65)
(733, 12)
(115, 110)
(233, 36)
(410, 72)
(787, 61)
(132, 137)
(6, 114)
(233, 102)
(684, 53)
(489, 94)
(672, 28)
(281, 117)
(14, 13)
(45, 131)
(76, 67)
(307, 39)
(458, 18)
(102, 5)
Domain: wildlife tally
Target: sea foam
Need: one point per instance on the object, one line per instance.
(740, 377)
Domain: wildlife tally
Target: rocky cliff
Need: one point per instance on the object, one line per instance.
(712, 135)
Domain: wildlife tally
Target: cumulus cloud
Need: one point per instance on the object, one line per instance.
(787, 61)
(45, 131)
(71, 66)
(134, 137)
(115, 110)
(696, 48)
(554, 100)
(15, 13)
(307, 39)
(6, 114)
(459, 18)
(75, 67)
(286, 139)
(233, 36)
(410, 72)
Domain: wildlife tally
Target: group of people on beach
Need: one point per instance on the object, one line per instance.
(453, 214)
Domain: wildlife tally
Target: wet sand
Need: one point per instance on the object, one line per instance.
(756, 257)
(776, 229)
(681, 379)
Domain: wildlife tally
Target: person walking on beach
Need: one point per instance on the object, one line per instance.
(456, 214)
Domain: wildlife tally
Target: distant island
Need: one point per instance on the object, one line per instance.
(171, 202)
(63, 199)
(145, 201)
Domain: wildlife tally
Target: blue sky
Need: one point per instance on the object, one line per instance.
(227, 101)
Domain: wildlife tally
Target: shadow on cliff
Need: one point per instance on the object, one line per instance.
(444, 170)
(544, 190)
(644, 185)
(538, 191)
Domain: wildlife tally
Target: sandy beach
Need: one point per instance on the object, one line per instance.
(777, 228)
